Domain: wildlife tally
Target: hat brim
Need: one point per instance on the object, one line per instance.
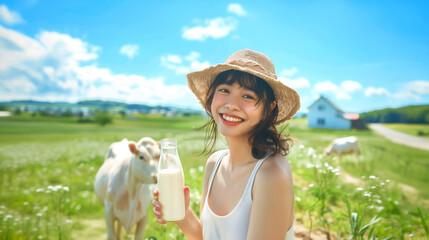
(287, 98)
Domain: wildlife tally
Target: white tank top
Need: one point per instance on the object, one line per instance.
(234, 225)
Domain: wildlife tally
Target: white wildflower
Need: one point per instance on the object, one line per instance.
(372, 177)
(40, 190)
(310, 185)
(301, 146)
(39, 214)
(298, 199)
(201, 168)
(310, 151)
(65, 188)
(359, 189)
(367, 194)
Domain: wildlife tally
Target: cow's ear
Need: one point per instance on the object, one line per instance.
(133, 148)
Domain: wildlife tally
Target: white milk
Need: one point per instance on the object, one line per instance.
(171, 195)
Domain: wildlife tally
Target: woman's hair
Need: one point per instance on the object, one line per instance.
(264, 136)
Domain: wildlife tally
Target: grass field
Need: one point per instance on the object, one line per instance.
(411, 129)
(48, 165)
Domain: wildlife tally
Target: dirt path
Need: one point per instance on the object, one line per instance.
(401, 138)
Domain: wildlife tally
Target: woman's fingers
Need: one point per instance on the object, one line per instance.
(156, 204)
(157, 208)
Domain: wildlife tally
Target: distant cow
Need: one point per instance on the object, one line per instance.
(343, 146)
(123, 184)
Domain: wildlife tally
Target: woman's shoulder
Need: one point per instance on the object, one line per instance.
(214, 157)
(276, 170)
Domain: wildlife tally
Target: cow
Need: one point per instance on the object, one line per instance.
(342, 146)
(124, 184)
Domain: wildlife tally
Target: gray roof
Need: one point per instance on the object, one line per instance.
(327, 100)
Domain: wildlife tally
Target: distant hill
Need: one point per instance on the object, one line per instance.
(109, 106)
(408, 114)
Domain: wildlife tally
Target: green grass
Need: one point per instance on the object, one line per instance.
(411, 129)
(48, 165)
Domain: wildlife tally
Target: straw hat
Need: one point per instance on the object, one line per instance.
(255, 63)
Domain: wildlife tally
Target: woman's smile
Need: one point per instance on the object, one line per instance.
(229, 119)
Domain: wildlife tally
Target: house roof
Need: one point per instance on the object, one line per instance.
(328, 101)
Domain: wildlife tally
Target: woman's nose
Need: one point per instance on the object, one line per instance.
(232, 103)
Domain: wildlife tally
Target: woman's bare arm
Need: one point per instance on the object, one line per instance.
(272, 207)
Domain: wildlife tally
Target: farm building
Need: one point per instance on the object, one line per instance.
(325, 114)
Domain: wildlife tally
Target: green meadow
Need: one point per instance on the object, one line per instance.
(48, 166)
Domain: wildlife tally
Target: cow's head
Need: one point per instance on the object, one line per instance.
(144, 164)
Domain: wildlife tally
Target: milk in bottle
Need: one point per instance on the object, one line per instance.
(171, 182)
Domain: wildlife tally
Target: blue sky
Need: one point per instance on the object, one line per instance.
(363, 55)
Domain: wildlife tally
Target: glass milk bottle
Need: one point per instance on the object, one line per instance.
(171, 182)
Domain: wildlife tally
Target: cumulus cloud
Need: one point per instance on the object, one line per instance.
(175, 63)
(351, 86)
(57, 67)
(9, 17)
(213, 28)
(370, 91)
(289, 72)
(330, 87)
(129, 50)
(413, 90)
(295, 83)
(300, 82)
(236, 9)
(418, 87)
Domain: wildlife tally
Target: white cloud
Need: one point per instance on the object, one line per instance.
(289, 72)
(58, 67)
(370, 91)
(418, 87)
(174, 58)
(326, 86)
(295, 83)
(236, 9)
(129, 50)
(413, 90)
(197, 66)
(193, 56)
(9, 17)
(329, 87)
(350, 86)
(174, 62)
(406, 95)
(214, 28)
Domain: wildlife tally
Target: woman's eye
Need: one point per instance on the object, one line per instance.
(248, 96)
(223, 90)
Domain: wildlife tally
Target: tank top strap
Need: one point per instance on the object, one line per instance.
(215, 169)
(253, 174)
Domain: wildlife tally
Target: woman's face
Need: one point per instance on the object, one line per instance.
(236, 110)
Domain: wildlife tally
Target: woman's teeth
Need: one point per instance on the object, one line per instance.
(231, 119)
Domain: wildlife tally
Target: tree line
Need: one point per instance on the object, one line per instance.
(408, 114)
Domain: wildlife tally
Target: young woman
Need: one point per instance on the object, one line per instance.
(248, 188)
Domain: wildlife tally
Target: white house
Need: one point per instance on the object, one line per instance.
(325, 114)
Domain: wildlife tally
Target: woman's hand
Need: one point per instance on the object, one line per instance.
(157, 207)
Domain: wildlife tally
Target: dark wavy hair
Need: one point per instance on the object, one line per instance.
(264, 137)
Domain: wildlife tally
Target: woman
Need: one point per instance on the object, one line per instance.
(248, 188)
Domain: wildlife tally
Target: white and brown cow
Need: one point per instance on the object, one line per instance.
(124, 184)
(342, 146)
